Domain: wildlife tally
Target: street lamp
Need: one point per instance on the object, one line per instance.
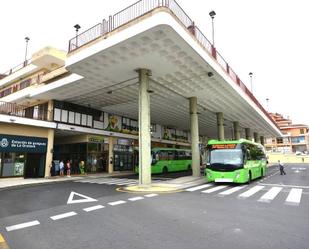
(267, 100)
(212, 15)
(250, 74)
(27, 40)
(77, 27)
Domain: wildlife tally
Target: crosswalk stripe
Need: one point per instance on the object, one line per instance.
(231, 191)
(251, 192)
(270, 194)
(198, 187)
(294, 196)
(214, 189)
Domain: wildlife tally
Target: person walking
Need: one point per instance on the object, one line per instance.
(61, 167)
(281, 168)
(68, 167)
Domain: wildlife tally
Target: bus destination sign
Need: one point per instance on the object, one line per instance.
(223, 146)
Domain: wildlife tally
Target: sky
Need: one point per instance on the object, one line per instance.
(269, 38)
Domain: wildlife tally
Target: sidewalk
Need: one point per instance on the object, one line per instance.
(20, 181)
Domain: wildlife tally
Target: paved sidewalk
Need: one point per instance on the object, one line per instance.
(20, 181)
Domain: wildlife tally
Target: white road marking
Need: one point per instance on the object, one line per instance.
(199, 187)
(151, 195)
(282, 185)
(211, 190)
(231, 191)
(251, 192)
(114, 203)
(136, 198)
(89, 209)
(270, 194)
(85, 198)
(23, 225)
(294, 196)
(62, 216)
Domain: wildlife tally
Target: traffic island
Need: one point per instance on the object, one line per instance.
(153, 188)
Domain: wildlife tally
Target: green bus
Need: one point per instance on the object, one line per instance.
(238, 161)
(164, 160)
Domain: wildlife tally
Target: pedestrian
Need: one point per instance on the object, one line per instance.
(68, 167)
(281, 168)
(82, 167)
(61, 167)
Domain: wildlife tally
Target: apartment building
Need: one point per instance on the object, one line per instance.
(295, 136)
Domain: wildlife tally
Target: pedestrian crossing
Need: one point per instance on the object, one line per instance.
(112, 181)
(263, 194)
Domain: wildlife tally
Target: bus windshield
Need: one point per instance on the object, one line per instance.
(226, 156)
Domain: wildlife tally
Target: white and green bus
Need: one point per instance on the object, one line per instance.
(238, 161)
(164, 160)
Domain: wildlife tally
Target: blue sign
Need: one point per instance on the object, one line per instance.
(9, 143)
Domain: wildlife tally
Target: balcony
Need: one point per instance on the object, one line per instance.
(38, 112)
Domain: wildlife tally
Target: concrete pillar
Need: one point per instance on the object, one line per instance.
(262, 140)
(248, 133)
(50, 109)
(256, 137)
(49, 152)
(111, 143)
(194, 137)
(220, 124)
(144, 144)
(236, 130)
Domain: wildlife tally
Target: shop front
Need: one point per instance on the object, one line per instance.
(22, 156)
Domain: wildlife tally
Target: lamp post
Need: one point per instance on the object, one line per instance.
(77, 27)
(250, 74)
(212, 15)
(27, 40)
(267, 100)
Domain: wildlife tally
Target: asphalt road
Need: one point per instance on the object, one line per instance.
(40, 218)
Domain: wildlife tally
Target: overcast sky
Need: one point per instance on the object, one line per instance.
(267, 37)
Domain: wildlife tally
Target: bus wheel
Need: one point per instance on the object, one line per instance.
(249, 177)
(165, 170)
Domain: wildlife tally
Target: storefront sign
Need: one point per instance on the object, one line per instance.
(96, 139)
(9, 143)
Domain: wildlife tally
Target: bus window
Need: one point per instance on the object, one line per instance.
(171, 155)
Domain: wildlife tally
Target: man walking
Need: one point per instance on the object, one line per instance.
(281, 168)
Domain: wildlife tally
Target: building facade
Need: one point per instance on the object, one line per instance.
(295, 137)
(150, 79)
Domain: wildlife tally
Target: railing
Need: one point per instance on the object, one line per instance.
(16, 110)
(141, 8)
(16, 68)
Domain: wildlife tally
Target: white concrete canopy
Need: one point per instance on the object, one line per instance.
(180, 66)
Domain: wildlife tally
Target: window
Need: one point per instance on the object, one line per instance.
(279, 140)
(302, 131)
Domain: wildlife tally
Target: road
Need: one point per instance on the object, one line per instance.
(269, 213)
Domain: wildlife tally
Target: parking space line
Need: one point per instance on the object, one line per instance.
(151, 195)
(89, 209)
(136, 198)
(114, 203)
(23, 225)
(62, 216)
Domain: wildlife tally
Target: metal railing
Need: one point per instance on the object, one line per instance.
(16, 68)
(13, 109)
(143, 7)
